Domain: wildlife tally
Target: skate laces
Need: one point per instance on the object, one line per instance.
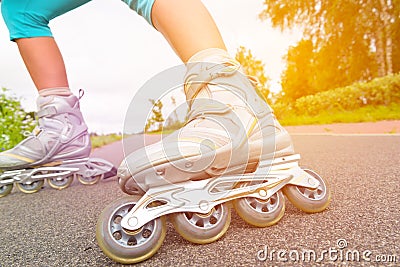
(28, 133)
(35, 132)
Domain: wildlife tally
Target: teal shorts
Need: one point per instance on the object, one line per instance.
(142, 7)
(30, 18)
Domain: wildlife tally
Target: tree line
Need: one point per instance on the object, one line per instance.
(344, 41)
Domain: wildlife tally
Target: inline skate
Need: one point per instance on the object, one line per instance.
(57, 151)
(231, 150)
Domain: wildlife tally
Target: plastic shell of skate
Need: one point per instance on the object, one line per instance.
(200, 210)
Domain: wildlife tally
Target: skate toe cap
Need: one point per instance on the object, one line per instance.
(8, 161)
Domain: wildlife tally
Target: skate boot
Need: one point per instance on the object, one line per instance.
(232, 149)
(230, 130)
(56, 150)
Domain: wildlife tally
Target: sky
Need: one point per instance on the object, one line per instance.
(111, 52)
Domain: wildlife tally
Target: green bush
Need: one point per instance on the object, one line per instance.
(380, 91)
(14, 121)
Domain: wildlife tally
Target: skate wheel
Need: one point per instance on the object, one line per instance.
(259, 212)
(89, 180)
(124, 246)
(5, 190)
(30, 188)
(60, 182)
(309, 200)
(202, 228)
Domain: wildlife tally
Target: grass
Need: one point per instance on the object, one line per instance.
(364, 114)
(162, 132)
(102, 140)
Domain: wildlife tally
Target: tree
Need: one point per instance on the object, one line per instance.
(297, 78)
(156, 117)
(254, 67)
(396, 38)
(351, 40)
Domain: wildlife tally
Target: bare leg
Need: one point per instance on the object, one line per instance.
(187, 25)
(43, 61)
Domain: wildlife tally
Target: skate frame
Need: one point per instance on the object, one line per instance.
(87, 167)
(29, 176)
(201, 196)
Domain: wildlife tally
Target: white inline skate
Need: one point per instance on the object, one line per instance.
(231, 150)
(57, 151)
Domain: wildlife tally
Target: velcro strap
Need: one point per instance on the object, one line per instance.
(201, 74)
(208, 110)
(47, 112)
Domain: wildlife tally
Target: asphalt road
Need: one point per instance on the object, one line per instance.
(57, 228)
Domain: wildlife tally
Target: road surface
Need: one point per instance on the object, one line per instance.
(57, 228)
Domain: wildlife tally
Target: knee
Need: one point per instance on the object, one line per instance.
(142, 7)
(23, 22)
